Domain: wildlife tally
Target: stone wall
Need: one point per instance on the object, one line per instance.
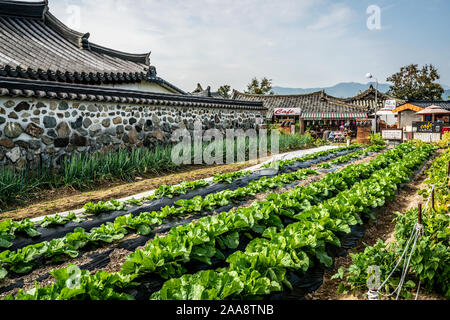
(32, 130)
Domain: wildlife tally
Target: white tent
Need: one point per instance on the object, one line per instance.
(387, 115)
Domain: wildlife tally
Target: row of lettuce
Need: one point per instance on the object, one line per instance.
(24, 260)
(9, 228)
(324, 209)
(430, 261)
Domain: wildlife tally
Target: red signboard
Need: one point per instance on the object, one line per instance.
(287, 112)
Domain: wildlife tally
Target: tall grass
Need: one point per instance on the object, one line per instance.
(83, 171)
(18, 184)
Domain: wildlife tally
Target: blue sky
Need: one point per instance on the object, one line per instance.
(297, 43)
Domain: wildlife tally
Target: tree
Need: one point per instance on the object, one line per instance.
(412, 83)
(263, 87)
(224, 91)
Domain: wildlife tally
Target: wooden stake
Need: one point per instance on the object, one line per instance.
(448, 173)
(432, 200)
(419, 221)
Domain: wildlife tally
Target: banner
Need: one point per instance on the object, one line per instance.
(392, 134)
(427, 127)
(287, 112)
(390, 104)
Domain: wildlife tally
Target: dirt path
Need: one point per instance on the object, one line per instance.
(383, 229)
(66, 199)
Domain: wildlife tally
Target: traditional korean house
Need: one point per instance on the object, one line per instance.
(408, 114)
(367, 99)
(412, 118)
(314, 111)
(386, 102)
(61, 94)
(36, 45)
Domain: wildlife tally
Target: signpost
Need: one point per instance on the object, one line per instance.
(392, 134)
(427, 127)
(390, 105)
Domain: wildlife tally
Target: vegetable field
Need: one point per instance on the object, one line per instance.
(267, 234)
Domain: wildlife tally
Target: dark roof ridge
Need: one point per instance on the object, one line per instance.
(56, 90)
(33, 10)
(40, 10)
(369, 90)
(429, 101)
(82, 41)
(236, 92)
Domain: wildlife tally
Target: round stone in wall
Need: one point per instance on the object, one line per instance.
(22, 106)
(13, 130)
(49, 122)
(9, 104)
(63, 129)
(34, 130)
(106, 123)
(52, 133)
(63, 106)
(13, 115)
(94, 130)
(117, 120)
(7, 143)
(77, 124)
(120, 129)
(14, 154)
(87, 123)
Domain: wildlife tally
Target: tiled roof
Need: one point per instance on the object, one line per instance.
(366, 99)
(426, 104)
(200, 92)
(10, 87)
(36, 45)
(313, 103)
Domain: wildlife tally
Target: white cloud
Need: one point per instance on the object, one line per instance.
(297, 43)
(339, 15)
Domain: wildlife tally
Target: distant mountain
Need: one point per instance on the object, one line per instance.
(341, 90)
(345, 89)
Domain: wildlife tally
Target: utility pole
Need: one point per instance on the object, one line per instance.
(370, 76)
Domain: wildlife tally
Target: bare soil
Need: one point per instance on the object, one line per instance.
(118, 256)
(383, 229)
(66, 199)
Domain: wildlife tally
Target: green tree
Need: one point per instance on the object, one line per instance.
(224, 91)
(413, 83)
(257, 87)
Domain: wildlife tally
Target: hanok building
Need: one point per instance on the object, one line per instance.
(60, 93)
(37, 46)
(385, 104)
(409, 116)
(367, 99)
(314, 111)
(200, 92)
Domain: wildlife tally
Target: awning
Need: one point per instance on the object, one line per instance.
(333, 115)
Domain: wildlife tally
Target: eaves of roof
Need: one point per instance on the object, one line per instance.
(62, 91)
